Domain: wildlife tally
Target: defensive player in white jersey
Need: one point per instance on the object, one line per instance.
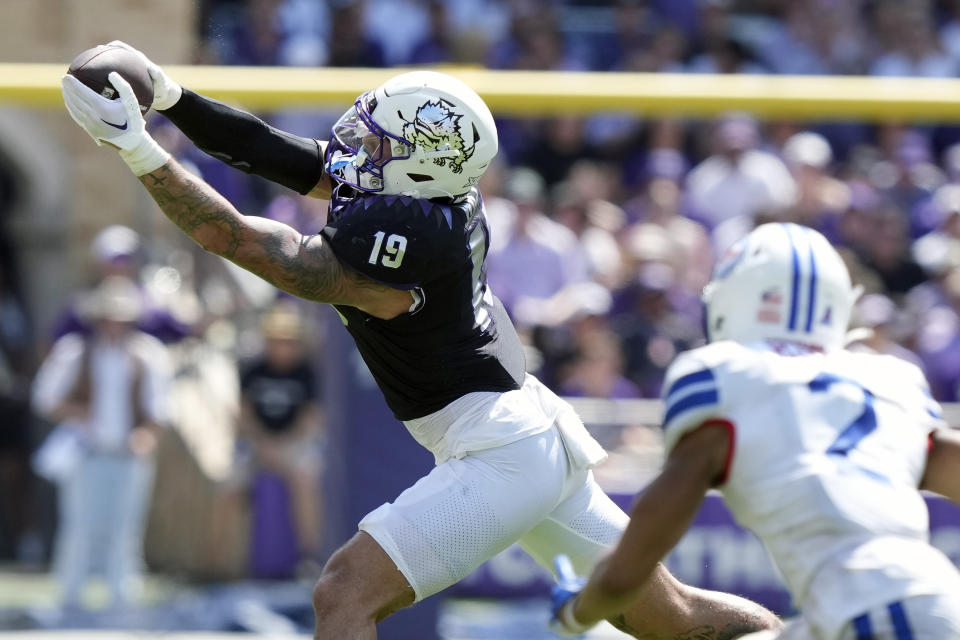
(402, 259)
(820, 451)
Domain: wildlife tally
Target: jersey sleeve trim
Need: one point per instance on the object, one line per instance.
(704, 375)
(690, 402)
(692, 391)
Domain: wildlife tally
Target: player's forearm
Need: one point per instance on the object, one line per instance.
(668, 608)
(713, 615)
(658, 520)
(249, 144)
(637, 594)
(194, 206)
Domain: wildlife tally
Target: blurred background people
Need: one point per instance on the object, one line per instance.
(281, 423)
(541, 257)
(738, 181)
(117, 251)
(107, 393)
(879, 316)
(821, 198)
(912, 46)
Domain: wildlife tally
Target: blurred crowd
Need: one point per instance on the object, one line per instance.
(142, 348)
(603, 233)
(877, 37)
(605, 227)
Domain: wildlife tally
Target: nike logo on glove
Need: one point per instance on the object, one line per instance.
(122, 127)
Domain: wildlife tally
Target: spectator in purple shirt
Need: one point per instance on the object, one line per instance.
(116, 252)
(541, 257)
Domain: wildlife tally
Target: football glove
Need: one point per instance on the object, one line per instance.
(118, 123)
(569, 584)
(166, 92)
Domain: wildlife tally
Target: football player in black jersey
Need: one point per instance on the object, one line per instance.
(402, 260)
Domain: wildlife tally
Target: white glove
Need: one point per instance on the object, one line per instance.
(118, 123)
(166, 92)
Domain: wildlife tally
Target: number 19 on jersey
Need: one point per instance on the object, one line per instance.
(392, 251)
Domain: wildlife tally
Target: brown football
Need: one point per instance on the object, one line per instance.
(92, 67)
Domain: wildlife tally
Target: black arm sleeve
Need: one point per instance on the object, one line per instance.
(247, 143)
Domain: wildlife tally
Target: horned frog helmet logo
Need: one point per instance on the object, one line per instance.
(435, 130)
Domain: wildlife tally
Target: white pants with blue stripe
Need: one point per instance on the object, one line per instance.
(935, 617)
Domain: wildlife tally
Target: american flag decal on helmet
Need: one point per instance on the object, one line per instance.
(770, 307)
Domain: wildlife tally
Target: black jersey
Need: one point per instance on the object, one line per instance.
(457, 338)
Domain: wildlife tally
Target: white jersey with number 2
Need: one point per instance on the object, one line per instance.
(829, 450)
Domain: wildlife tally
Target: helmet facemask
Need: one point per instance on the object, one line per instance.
(359, 148)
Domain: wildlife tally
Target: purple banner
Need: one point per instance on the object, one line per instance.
(715, 554)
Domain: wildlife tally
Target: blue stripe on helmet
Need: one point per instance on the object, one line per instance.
(812, 294)
(795, 283)
(863, 627)
(900, 623)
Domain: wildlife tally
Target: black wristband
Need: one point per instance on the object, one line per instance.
(247, 143)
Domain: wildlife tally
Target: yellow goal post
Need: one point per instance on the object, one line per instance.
(533, 93)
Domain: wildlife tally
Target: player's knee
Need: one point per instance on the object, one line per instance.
(323, 598)
(332, 590)
(359, 584)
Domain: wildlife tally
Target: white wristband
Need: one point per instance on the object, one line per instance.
(166, 92)
(147, 156)
(570, 622)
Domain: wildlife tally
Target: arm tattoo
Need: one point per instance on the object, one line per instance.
(702, 632)
(302, 265)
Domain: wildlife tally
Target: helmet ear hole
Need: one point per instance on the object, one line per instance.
(419, 177)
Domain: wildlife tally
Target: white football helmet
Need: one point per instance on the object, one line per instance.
(782, 282)
(422, 134)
